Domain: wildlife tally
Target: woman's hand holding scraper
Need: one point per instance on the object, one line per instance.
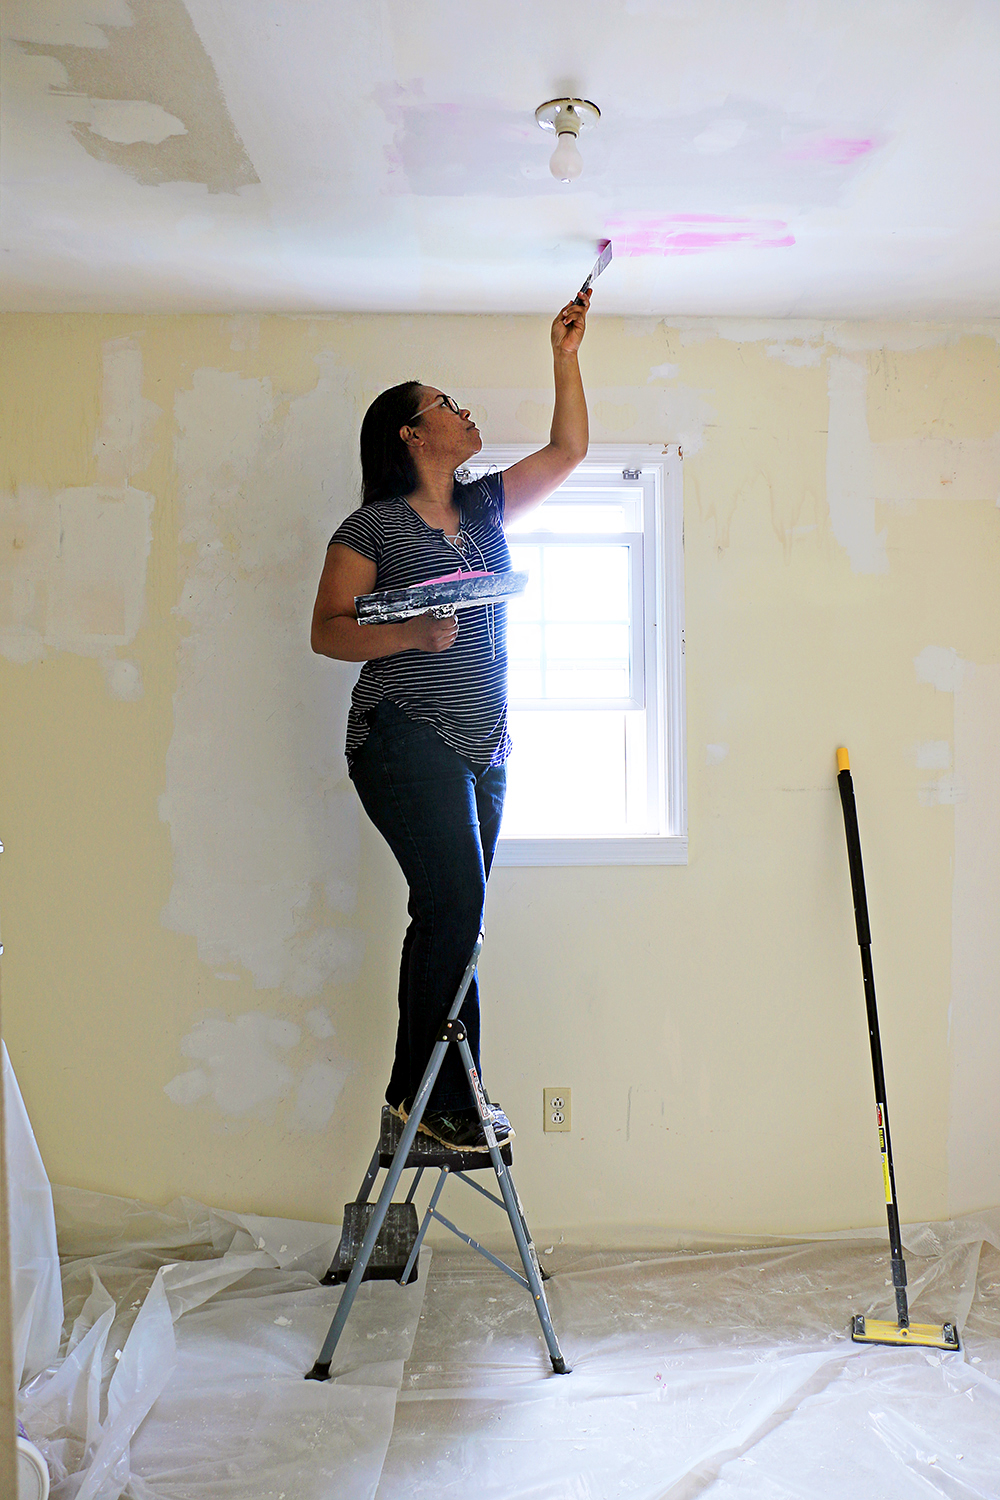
(570, 325)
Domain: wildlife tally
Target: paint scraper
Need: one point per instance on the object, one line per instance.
(601, 264)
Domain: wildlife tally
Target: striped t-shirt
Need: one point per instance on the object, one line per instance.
(462, 692)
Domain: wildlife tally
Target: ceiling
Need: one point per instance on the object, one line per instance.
(790, 158)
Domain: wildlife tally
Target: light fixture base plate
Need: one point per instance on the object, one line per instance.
(567, 116)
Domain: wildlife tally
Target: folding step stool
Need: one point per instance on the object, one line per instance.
(383, 1241)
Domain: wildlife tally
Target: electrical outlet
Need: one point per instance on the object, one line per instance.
(556, 1105)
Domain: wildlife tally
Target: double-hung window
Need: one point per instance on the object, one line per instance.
(596, 665)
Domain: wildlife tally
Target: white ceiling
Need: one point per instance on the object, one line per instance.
(806, 158)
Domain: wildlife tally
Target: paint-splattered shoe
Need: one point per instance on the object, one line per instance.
(460, 1129)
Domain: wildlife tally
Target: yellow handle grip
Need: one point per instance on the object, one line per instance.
(843, 762)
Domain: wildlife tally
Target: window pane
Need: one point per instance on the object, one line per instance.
(569, 633)
(592, 516)
(567, 775)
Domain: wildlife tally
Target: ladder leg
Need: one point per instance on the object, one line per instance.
(321, 1369)
(515, 1214)
(428, 1215)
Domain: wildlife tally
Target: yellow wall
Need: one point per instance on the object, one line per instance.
(201, 931)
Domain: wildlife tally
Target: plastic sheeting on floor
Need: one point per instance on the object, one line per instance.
(188, 1334)
(719, 1373)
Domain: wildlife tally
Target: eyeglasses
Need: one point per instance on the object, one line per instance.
(447, 401)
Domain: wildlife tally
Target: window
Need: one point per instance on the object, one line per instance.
(595, 646)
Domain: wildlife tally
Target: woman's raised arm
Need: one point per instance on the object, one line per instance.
(534, 478)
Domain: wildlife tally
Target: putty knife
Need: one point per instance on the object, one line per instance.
(601, 263)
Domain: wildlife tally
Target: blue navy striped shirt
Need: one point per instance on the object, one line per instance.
(462, 692)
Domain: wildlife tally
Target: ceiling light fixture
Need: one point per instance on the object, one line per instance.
(567, 117)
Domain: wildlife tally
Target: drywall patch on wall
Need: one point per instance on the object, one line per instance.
(715, 754)
(263, 822)
(932, 755)
(925, 468)
(942, 667)
(151, 100)
(974, 1132)
(849, 491)
(944, 791)
(248, 1066)
(73, 563)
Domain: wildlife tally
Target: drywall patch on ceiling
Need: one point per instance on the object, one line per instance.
(263, 821)
(740, 151)
(73, 564)
(849, 493)
(154, 106)
(694, 234)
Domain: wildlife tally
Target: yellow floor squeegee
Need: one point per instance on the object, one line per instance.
(870, 1330)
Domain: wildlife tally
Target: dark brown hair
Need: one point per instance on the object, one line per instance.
(387, 470)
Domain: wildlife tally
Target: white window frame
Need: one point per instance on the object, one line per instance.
(662, 648)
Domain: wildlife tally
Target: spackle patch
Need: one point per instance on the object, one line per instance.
(835, 150)
(263, 821)
(317, 1094)
(663, 372)
(252, 1063)
(319, 1023)
(942, 667)
(715, 754)
(695, 234)
(241, 1063)
(124, 679)
(73, 564)
(933, 755)
(796, 352)
(945, 791)
(849, 490)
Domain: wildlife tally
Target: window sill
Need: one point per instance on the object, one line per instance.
(670, 849)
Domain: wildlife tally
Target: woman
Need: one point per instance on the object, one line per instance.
(427, 734)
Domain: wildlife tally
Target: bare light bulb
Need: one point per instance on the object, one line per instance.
(566, 163)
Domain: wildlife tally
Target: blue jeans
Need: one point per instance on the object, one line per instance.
(440, 816)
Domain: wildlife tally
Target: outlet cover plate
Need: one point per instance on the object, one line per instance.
(556, 1109)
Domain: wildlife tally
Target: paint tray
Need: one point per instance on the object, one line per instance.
(443, 595)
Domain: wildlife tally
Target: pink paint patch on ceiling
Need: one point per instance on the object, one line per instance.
(838, 151)
(695, 234)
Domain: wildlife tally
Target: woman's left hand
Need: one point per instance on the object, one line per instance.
(570, 325)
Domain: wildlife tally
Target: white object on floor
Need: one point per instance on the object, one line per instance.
(32, 1473)
(183, 1376)
(36, 1293)
(720, 1374)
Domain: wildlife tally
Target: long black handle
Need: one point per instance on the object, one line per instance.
(846, 786)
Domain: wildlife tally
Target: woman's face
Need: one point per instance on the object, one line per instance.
(443, 432)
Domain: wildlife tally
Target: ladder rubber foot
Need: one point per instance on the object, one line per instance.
(559, 1365)
(319, 1371)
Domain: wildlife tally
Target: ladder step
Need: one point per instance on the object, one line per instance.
(426, 1152)
(392, 1248)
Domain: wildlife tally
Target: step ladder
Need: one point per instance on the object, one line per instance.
(381, 1240)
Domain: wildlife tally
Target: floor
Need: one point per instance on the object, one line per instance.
(716, 1372)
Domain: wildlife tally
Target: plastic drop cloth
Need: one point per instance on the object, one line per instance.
(36, 1294)
(718, 1373)
(187, 1336)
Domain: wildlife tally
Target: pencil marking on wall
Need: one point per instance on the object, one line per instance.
(263, 822)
